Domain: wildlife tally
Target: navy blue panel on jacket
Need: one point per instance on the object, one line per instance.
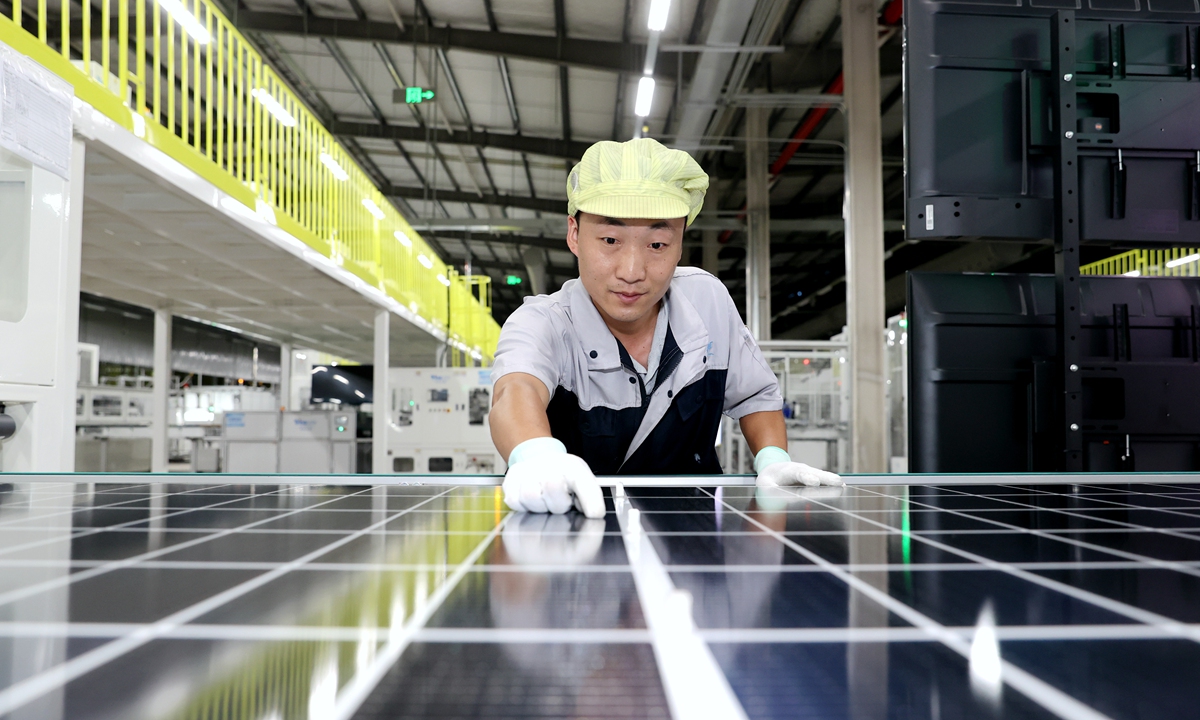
(682, 443)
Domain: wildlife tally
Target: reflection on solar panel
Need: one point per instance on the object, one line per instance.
(269, 602)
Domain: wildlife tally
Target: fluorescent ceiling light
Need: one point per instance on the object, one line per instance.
(1183, 260)
(658, 15)
(360, 394)
(341, 379)
(372, 208)
(186, 20)
(442, 279)
(1134, 273)
(302, 356)
(272, 105)
(425, 261)
(645, 95)
(337, 170)
(403, 239)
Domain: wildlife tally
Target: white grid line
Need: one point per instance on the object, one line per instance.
(35, 686)
(1036, 689)
(693, 682)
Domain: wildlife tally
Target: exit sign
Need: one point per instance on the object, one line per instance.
(414, 95)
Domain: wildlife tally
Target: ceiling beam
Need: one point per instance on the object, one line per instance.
(550, 243)
(578, 52)
(533, 144)
(465, 196)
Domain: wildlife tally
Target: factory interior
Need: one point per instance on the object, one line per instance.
(318, 284)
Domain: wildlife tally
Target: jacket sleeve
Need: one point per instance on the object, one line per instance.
(529, 343)
(750, 385)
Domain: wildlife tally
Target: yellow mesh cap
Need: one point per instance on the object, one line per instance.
(636, 179)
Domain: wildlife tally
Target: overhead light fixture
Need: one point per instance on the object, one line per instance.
(645, 96)
(186, 20)
(1134, 273)
(403, 239)
(372, 208)
(301, 356)
(338, 171)
(425, 261)
(341, 379)
(442, 279)
(272, 105)
(657, 20)
(1183, 260)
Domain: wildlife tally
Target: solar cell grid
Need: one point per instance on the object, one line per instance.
(231, 600)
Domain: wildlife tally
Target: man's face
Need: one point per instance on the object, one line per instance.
(625, 264)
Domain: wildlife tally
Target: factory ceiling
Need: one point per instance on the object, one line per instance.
(523, 87)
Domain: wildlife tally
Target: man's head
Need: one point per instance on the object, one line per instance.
(625, 264)
(629, 205)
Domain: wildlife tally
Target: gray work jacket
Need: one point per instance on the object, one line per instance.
(599, 407)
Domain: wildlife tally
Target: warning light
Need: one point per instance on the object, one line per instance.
(512, 280)
(806, 361)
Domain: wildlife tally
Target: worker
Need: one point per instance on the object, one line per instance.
(628, 369)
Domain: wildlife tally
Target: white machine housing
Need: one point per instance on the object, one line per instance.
(438, 421)
(302, 442)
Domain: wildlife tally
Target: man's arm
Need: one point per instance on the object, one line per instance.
(519, 411)
(760, 429)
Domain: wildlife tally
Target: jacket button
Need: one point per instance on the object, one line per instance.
(704, 359)
(592, 354)
(633, 381)
(670, 394)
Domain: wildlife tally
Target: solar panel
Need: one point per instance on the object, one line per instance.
(216, 598)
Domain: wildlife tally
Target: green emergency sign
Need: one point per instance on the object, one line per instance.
(414, 95)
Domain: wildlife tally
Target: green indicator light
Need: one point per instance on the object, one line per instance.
(412, 402)
(903, 322)
(414, 95)
(512, 280)
(341, 428)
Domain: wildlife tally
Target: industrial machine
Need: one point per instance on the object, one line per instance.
(1051, 120)
(815, 406)
(303, 442)
(438, 421)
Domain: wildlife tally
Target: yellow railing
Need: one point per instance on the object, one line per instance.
(179, 75)
(471, 312)
(1174, 262)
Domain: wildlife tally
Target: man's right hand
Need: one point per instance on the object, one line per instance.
(543, 477)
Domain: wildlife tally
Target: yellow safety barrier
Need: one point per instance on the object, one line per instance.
(1173, 262)
(179, 75)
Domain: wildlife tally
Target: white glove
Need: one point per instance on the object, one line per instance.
(543, 477)
(553, 539)
(776, 469)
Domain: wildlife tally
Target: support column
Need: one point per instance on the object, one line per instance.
(159, 422)
(758, 226)
(286, 360)
(536, 259)
(710, 239)
(382, 395)
(863, 213)
(68, 360)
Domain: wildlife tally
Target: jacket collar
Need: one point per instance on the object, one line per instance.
(594, 336)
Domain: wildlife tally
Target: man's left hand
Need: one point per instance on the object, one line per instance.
(776, 469)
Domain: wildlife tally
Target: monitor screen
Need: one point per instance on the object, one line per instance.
(342, 384)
